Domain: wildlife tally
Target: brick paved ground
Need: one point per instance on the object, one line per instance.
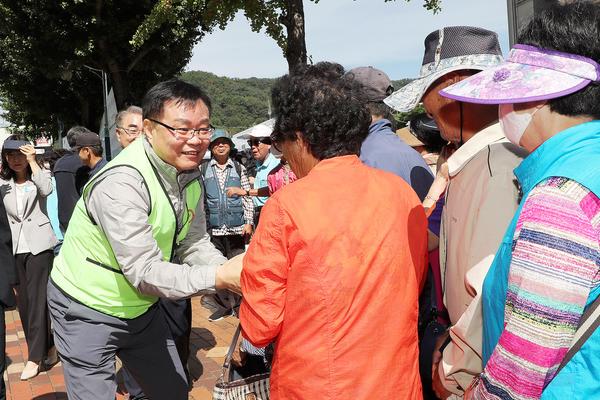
(208, 344)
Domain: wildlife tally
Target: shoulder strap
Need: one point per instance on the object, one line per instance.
(232, 346)
(589, 323)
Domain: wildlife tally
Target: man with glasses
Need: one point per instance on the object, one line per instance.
(138, 234)
(128, 125)
(259, 140)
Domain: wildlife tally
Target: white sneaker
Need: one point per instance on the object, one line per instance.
(31, 370)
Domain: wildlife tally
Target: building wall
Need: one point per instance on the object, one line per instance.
(521, 11)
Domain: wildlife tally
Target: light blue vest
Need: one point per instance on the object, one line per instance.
(574, 154)
(223, 210)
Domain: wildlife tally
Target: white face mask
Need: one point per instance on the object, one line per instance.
(514, 124)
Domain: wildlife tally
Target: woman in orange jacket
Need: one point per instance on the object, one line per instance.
(334, 271)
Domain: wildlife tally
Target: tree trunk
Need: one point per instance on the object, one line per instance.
(109, 63)
(295, 52)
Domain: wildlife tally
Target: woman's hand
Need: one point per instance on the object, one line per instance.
(29, 151)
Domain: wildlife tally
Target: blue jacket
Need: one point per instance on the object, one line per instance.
(223, 210)
(383, 149)
(574, 154)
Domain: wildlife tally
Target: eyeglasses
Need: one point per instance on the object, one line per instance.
(131, 131)
(187, 133)
(255, 142)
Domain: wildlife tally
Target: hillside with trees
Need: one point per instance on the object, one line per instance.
(240, 103)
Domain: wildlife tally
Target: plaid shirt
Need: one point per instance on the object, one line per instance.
(221, 174)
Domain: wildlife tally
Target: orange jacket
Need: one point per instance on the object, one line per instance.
(333, 275)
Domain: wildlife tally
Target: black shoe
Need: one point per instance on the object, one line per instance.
(220, 314)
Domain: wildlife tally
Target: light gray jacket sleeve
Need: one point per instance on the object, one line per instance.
(43, 182)
(196, 248)
(119, 203)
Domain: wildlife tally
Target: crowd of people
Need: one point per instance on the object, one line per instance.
(458, 257)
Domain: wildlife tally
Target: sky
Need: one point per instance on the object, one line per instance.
(385, 35)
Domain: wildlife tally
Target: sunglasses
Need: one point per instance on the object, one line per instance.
(256, 142)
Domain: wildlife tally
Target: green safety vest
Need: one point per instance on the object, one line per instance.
(86, 268)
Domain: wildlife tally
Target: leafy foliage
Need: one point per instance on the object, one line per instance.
(45, 45)
(282, 20)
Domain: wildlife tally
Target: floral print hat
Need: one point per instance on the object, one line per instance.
(529, 74)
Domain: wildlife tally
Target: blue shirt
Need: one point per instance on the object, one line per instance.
(52, 207)
(383, 149)
(262, 171)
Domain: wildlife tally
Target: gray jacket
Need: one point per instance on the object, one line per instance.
(35, 224)
(119, 203)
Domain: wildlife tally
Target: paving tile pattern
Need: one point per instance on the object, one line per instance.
(208, 344)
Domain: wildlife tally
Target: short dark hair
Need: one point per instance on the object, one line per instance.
(52, 156)
(174, 89)
(571, 28)
(96, 150)
(326, 108)
(74, 132)
(380, 109)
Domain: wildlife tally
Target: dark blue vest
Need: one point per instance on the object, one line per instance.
(223, 210)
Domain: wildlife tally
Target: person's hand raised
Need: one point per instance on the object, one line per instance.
(29, 151)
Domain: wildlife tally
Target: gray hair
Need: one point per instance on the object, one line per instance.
(128, 110)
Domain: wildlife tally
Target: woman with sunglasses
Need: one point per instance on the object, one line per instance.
(260, 145)
(24, 187)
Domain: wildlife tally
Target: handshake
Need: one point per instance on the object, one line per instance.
(228, 274)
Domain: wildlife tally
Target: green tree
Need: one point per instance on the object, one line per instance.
(44, 46)
(283, 20)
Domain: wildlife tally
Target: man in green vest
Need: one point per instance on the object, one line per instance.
(137, 234)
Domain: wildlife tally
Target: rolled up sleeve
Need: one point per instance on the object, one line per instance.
(264, 276)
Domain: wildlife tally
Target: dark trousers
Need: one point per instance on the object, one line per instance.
(230, 246)
(178, 315)
(257, 211)
(33, 272)
(2, 353)
(88, 341)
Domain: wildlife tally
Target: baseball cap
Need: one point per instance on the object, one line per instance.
(86, 139)
(376, 84)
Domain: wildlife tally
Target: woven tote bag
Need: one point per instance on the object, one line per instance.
(255, 387)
